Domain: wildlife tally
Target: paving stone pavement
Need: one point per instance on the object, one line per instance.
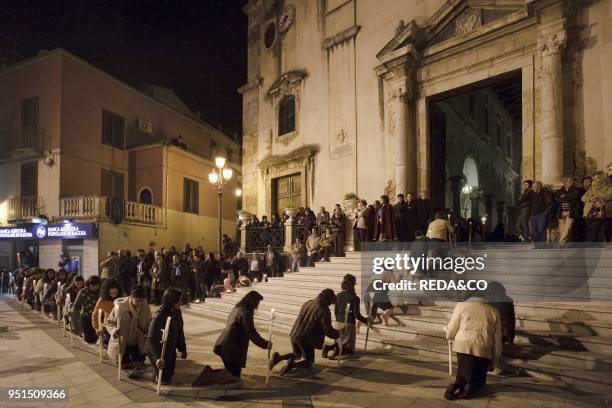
(34, 354)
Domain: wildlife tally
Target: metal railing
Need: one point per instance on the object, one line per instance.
(258, 238)
(25, 207)
(28, 138)
(143, 213)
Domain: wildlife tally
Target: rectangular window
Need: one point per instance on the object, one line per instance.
(29, 112)
(112, 184)
(190, 196)
(113, 127)
(29, 179)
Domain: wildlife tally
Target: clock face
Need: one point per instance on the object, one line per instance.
(286, 19)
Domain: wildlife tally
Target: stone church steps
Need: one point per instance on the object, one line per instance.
(570, 342)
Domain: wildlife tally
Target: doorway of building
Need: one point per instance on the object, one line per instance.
(476, 148)
(286, 192)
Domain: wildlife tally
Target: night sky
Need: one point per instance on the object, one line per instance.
(197, 48)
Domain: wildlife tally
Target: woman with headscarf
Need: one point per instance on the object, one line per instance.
(84, 305)
(233, 344)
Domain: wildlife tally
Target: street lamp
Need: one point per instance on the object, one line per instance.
(219, 177)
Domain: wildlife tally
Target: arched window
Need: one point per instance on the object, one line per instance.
(145, 196)
(286, 115)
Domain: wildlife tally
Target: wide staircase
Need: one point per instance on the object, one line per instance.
(563, 304)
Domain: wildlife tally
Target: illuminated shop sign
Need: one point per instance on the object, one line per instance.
(50, 231)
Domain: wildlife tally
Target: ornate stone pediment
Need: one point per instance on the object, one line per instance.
(286, 82)
(456, 18)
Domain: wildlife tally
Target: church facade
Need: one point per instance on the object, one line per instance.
(462, 99)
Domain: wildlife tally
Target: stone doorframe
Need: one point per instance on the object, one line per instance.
(299, 161)
(460, 46)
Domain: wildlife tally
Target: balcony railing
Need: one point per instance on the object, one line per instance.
(28, 139)
(143, 213)
(98, 207)
(83, 207)
(20, 208)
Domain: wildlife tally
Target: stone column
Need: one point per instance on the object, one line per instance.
(405, 147)
(243, 237)
(551, 120)
(456, 183)
(290, 234)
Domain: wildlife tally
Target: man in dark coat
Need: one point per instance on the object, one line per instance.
(401, 218)
(308, 333)
(569, 207)
(423, 210)
(386, 220)
(143, 278)
(179, 276)
(524, 210)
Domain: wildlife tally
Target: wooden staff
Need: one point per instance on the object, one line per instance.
(450, 357)
(368, 329)
(68, 321)
(340, 342)
(119, 355)
(164, 340)
(100, 329)
(58, 304)
(23, 293)
(41, 297)
(272, 312)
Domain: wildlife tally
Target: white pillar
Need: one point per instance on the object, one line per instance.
(551, 122)
(405, 146)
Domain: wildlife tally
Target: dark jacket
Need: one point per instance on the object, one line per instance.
(345, 297)
(176, 335)
(160, 278)
(568, 200)
(525, 199)
(505, 307)
(178, 274)
(143, 266)
(85, 301)
(313, 324)
(233, 344)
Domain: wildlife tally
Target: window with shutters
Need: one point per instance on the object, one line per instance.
(113, 130)
(29, 179)
(190, 196)
(112, 184)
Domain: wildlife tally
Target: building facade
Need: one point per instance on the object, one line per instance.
(461, 99)
(128, 165)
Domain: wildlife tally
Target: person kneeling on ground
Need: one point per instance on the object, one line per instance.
(347, 334)
(171, 307)
(111, 290)
(233, 344)
(134, 315)
(308, 333)
(475, 328)
(84, 305)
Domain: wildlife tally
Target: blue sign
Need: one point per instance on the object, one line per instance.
(65, 230)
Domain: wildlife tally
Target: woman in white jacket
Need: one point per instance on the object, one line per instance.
(134, 317)
(475, 329)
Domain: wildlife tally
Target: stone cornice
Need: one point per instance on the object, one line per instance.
(341, 37)
(250, 85)
(305, 152)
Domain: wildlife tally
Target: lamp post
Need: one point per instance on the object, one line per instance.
(219, 177)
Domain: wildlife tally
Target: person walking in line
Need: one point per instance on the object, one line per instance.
(171, 307)
(347, 333)
(476, 331)
(233, 344)
(308, 333)
(84, 305)
(129, 319)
